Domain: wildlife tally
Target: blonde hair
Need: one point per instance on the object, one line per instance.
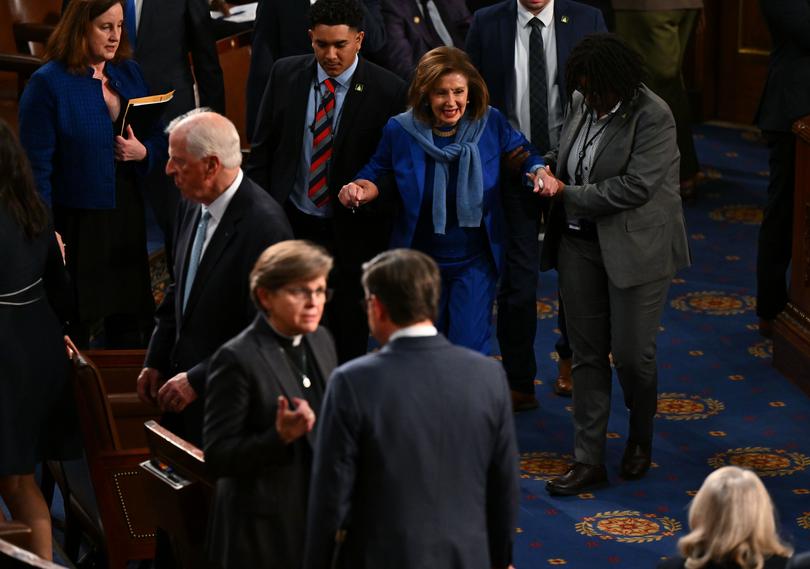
(732, 521)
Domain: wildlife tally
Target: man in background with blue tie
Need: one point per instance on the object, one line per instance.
(521, 48)
(224, 222)
(320, 120)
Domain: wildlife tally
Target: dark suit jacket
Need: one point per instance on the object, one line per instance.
(491, 45)
(219, 305)
(280, 31)
(407, 37)
(167, 33)
(787, 91)
(374, 96)
(259, 508)
(416, 459)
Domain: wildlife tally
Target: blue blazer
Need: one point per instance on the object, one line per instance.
(66, 130)
(399, 153)
(491, 44)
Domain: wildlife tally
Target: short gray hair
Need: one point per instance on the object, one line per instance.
(209, 134)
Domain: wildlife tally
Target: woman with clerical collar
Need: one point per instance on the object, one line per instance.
(617, 237)
(263, 396)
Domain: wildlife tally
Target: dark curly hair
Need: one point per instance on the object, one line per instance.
(336, 13)
(609, 67)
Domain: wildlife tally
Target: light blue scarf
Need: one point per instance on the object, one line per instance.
(470, 183)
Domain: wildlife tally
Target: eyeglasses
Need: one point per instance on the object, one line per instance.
(304, 294)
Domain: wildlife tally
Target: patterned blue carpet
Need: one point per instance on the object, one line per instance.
(720, 401)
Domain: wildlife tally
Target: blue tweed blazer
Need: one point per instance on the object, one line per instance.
(66, 130)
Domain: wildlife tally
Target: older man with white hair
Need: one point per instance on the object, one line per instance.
(223, 223)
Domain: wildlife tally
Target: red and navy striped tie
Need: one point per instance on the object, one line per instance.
(318, 190)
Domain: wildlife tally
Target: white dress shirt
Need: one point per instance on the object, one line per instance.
(217, 209)
(416, 331)
(520, 117)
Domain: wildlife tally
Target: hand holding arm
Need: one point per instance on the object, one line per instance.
(129, 148)
(292, 425)
(354, 194)
(545, 183)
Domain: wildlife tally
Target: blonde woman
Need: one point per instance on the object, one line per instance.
(733, 526)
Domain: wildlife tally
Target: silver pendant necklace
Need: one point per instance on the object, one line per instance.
(305, 381)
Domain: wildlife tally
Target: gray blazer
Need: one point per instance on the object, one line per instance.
(633, 194)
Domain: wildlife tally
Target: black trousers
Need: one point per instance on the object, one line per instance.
(344, 316)
(776, 232)
(517, 298)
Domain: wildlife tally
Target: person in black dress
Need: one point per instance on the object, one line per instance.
(37, 412)
(87, 169)
(733, 526)
(264, 392)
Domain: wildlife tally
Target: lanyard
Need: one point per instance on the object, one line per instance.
(586, 143)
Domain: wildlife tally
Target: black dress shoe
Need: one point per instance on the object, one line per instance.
(636, 460)
(581, 477)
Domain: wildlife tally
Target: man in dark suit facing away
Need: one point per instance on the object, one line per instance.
(223, 224)
(526, 80)
(320, 121)
(415, 460)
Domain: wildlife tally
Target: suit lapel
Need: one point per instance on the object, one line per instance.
(276, 362)
(300, 91)
(567, 136)
(611, 130)
(224, 233)
(563, 32)
(352, 105)
(182, 252)
(318, 355)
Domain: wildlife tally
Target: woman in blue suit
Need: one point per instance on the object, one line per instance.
(445, 152)
(70, 115)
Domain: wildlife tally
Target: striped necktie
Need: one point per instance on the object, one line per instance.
(318, 190)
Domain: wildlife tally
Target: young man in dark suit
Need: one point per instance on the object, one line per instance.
(415, 457)
(515, 68)
(280, 30)
(320, 121)
(223, 225)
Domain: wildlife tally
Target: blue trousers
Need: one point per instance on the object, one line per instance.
(465, 307)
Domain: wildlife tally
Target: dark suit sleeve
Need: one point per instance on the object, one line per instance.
(789, 20)
(201, 44)
(375, 37)
(230, 448)
(474, 48)
(398, 47)
(334, 471)
(265, 141)
(503, 490)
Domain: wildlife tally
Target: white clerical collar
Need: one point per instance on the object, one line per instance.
(296, 340)
(416, 331)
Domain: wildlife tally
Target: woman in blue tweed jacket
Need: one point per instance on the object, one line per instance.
(70, 116)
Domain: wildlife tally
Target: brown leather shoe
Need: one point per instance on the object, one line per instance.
(564, 385)
(636, 460)
(579, 478)
(523, 401)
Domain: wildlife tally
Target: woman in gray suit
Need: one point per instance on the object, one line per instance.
(617, 237)
(263, 395)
